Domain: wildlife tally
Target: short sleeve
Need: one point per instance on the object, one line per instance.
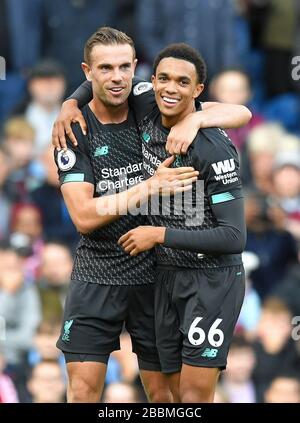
(216, 158)
(74, 165)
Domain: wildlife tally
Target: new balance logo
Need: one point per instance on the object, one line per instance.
(224, 166)
(101, 151)
(210, 353)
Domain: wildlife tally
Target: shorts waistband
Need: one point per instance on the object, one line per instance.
(223, 261)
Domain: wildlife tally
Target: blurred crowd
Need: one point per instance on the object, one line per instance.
(249, 46)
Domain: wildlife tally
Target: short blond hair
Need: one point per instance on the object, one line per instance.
(275, 305)
(265, 138)
(18, 127)
(106, 36)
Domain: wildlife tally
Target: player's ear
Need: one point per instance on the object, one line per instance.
(87, 70)
(153, 80)
(198, 90)
(134, 64)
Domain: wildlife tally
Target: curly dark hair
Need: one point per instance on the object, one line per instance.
(184, 52)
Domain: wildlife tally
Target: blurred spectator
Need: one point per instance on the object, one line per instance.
(113, 372)
(5, 203)
(284, 108)
(44, 346)
(126, 359)
(233, 86)
(55, 273)
(286, 179)
(44, 343)
(125, 17)
(25, 174)
(289, 290)
(263, 145)
(8, 393)
(20, 37)
(221, 396)
(46, 384)
(57, 224)
(283, 389)
(267, 238)
(207, 25)
(68, 25)
(251, 308)
(19, 306)
(127, 364)
(273, 26)
(18, 141)
(46, 88)
(275, 350)
(26, 221)
(19, 243)
(278, 41)
(236, 379)
(121, 392)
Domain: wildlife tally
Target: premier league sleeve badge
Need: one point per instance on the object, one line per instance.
(66, 160)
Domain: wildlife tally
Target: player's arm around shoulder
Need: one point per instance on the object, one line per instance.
(224, 115)
(63, 128)
(70, 113)
(211, 114)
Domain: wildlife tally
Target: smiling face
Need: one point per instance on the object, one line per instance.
(176, 87)
(111, 70)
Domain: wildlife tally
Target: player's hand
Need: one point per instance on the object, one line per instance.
(141, 239)
(69, 113)
(183, 134)
(169, 181)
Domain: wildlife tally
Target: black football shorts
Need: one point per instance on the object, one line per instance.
(195, 315)
(95, 315)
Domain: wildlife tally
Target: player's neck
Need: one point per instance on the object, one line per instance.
(109, 114)
(169, 121)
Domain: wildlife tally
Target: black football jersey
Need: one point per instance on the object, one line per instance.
(110, 158)
(215, 157)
